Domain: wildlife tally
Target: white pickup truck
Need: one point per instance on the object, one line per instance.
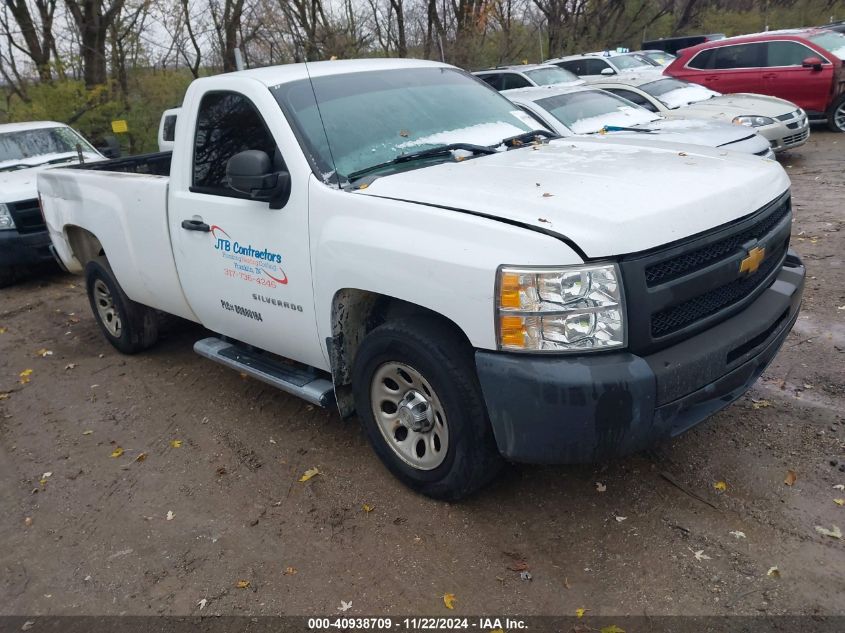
(392, 237)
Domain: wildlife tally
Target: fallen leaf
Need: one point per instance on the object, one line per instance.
(774, 572)
(566, 583)
(682, 153)
(4, 395)
(738, 534)
(363, 185)
(201, 604)
(70, 366)
(43, 352)
(367, 508)
(600, 487)
(721, 486)
(834, 533)
(27, 521)
(308, 474)
(548, 195)
(403, 134)
(699, 555)
(175, 443)
(4, 330)
(222, 471)
(242, 584)
(87, 432)
(839, 487)
(345, 606)
(579, 613)
(170, 515)
(449, 600)
(141, 457)
(289, 571)
(839, 502)
(117, 452)
(27, 625)
(612, 629)
(760, 404)
(791, 477)
(620, 519)
(24, 376)
(519, 565)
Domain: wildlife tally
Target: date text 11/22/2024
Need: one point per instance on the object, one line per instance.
(416, 624)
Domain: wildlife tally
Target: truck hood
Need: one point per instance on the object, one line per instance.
(607, 196)
(20, 184)
(695, 132)
(726, 107)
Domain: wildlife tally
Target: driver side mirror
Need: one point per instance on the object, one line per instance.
(251, 172)
(607, 72)
(812, 62)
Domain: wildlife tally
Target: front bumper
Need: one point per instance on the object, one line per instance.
(575, 409)
(782, 138)
(22, 249)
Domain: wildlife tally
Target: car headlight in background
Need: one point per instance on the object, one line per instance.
(752, 121)
(6, 220)
(577, 308)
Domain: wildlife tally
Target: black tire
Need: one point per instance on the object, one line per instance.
(8, 276)
(446, 361)
(837, 113)
(137, 328)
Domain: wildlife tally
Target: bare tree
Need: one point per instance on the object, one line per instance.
(37, 35)
(93, 20)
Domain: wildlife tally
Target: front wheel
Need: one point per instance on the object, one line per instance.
(836, 115)
(418, 396)
(128, 326)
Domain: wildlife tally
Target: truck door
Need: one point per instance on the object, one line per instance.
(244, 267)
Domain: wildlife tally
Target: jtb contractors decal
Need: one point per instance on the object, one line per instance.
(250, 264)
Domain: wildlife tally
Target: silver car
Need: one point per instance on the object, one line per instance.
(583, 110)
(527, 75)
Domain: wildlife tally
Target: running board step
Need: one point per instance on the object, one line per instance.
(309, 384)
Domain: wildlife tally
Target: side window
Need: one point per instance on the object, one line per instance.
(512, 81)
(740, 56)
(574, 66)
(703, 60)
(595, 66)
(494, 79)
(787, 54)
(227, 123)
(635, 97)
(169, 131)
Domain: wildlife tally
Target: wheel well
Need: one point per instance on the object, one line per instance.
(355, 313)
(84, 245)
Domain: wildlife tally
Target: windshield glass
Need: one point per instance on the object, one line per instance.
(372, 117)
(830, 41)
(664, 59)
(588, 111)
(552, 75)
(674, 93)
(26, 144)
(627, 62)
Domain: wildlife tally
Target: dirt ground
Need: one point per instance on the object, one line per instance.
(85, 532)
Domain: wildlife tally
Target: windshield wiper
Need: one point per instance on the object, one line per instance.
(16, 167)
(622, 128)
(440, 150)
(527, 137)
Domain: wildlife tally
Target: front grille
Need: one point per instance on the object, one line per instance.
(788, 115)
(796, 138)
(697, 259)
(677, 291)
(679, 316)
(27, 216)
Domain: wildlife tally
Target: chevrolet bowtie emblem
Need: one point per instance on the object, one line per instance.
(751, 263)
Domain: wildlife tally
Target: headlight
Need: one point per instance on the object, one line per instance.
(577, 308)
(753, 121)
(6, 221)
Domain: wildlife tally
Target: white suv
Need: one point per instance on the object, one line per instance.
(604, 64)
(527, 76)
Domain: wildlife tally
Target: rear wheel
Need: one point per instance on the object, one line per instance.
(836, 115)
(128, 326)
(418, 397)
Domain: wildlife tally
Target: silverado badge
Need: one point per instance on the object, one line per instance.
(751, 263)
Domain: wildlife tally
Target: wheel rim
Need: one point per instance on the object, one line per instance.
(839, 116)
(409, 415)
(106, 309)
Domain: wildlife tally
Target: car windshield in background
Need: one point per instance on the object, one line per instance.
(588, 111)
(373, 117)
(27, 144)
(660, 58)
(674, 93)
(830, 41)
(627, 62)
(552, 75)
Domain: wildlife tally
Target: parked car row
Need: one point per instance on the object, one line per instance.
(395, 239)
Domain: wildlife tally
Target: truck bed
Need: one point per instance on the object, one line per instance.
(153, 164)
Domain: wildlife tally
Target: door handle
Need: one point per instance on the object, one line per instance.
(770, 76)
(195, 225)
(711, 78)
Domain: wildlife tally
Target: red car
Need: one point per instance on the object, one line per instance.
(803, 66)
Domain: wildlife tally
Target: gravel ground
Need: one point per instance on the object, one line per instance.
(85, 532)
